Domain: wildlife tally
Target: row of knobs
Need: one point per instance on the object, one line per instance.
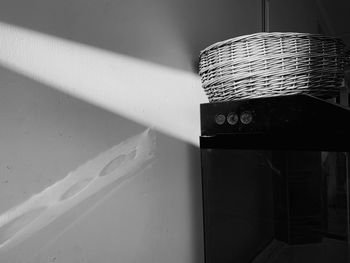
(232, 118)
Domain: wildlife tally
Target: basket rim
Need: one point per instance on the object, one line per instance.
(264, 35)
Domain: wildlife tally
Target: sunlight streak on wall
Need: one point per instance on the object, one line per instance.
(153, 95)
(105, 171)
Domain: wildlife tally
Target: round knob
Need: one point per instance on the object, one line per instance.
(232, 118)
(220, 119)
(246, 117)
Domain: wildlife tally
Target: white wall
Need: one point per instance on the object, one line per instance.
(45, 133)
(168, 32)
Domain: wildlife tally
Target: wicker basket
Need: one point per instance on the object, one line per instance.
(272, 64)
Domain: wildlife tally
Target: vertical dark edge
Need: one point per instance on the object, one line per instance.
(348, 195)
(203, 184)
(324, 197)
(263, 15)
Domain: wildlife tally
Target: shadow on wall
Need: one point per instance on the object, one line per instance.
(169, 32)
(44, 134)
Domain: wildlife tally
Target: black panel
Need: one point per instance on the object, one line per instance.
(296, 141)
(276, 180)
(298, 197)
(238, 204)
(288, 114)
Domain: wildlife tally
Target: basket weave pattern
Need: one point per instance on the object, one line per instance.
(272, 64)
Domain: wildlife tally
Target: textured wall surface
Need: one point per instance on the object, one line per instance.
(45, 133)
(168, 32)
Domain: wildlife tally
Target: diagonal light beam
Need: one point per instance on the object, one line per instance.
(153, 95)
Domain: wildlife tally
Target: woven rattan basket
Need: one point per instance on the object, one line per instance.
(272, 64)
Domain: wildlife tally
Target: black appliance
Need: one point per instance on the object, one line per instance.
(275, 180)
